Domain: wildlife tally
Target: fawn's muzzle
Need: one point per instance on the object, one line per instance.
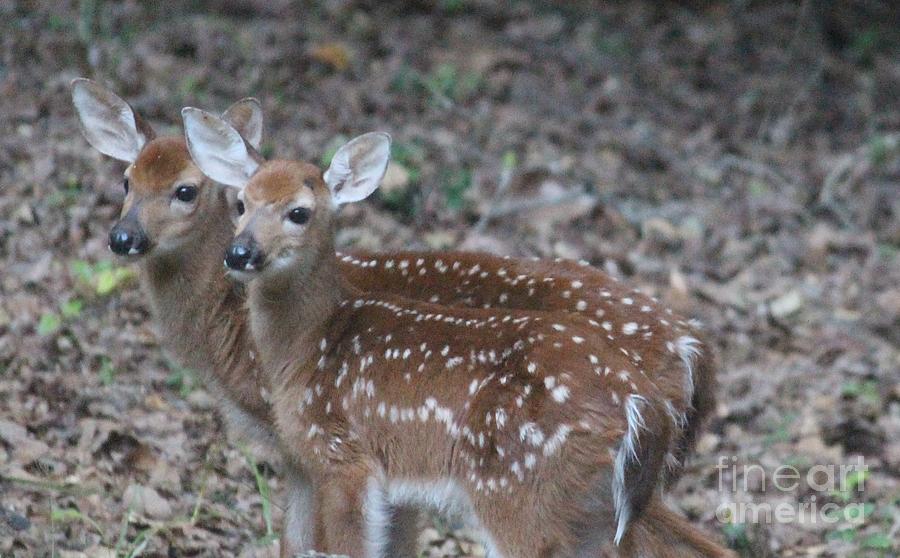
(126, 239)
(244, 254)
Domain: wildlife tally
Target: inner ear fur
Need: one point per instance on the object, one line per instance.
(108, 122)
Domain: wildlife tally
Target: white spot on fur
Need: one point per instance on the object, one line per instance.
(560, 394)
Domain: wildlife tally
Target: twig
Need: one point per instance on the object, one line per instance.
(506, 174)
(547, 201)
(841, 173)
(755, 168)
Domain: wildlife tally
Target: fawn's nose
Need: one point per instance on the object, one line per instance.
(243, 255)
(126, 242)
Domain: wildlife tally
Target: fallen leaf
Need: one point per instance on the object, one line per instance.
(146, 501)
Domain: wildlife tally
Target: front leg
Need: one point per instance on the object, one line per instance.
(403, 537)
(352, 514)
(297, 527)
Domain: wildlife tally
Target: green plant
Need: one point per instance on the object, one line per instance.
(780, 431)
(455, 184)
(49, 323)
(331, 148)
(880, 149)
(71, 309)
(70, 515)
(102, 277)
(181, 380)
(107, 371)
(265, 496)
(66, 196)
(447, 82)
(864, 390)
(736, 535)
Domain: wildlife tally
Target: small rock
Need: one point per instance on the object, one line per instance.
(787, 304)
(100, 552)
(24, 447)
(146, 501)
(200, 400)
(24, 214)
(335, 55)
(15, 521)
(659, 228)
(708, 443)
(396, 179)
(440, 240)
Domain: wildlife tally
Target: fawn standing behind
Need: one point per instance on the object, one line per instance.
(506, 417)
(171, 213)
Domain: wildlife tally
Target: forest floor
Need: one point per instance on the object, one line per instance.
(739, 161)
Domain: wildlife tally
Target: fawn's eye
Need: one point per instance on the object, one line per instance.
(186, 193)
(299, 215)
(240, 207)
(125, 185)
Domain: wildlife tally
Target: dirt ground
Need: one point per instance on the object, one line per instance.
(739, 160)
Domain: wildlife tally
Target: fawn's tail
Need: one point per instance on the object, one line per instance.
(660, 532)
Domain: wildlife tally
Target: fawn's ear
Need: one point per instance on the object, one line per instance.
(109, 123)
(246, 117)
(218, 149)
(358, 167)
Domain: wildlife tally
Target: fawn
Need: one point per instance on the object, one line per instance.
(536, 427)
(197, 309)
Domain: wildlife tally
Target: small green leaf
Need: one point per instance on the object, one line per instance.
(49, 324)
(71, 309)
(332, 148)
(878, 541)
(107, 372)
(181, 380)
(65, 515)
(846, 535)
(108, 280)
(510, 160)
(83, 271)
(456, 184)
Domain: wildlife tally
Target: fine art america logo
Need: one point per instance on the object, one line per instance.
(835, 491)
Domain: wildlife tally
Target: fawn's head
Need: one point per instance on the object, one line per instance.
(166, 196)
(287, 207)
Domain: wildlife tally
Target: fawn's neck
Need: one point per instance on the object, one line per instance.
(291, 313)
(190, 295)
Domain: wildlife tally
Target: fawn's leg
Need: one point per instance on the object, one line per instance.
(297, 527)
(403, 535)
(353, 516)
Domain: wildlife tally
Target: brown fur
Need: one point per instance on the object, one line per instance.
(282, 178)
(159, 164)
(478, 280)
(350, 417)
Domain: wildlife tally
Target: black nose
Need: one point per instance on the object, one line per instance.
(125, 242)
(241, 256)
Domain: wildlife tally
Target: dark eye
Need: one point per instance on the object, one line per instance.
(186, 193)
(240, 207)
(299, 215)
(125, 185)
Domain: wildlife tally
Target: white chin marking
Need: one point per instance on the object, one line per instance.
(241, 275)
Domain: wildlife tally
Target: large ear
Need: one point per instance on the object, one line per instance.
(246, 117)
(109, 123)
(358, 167)
(218, 149)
